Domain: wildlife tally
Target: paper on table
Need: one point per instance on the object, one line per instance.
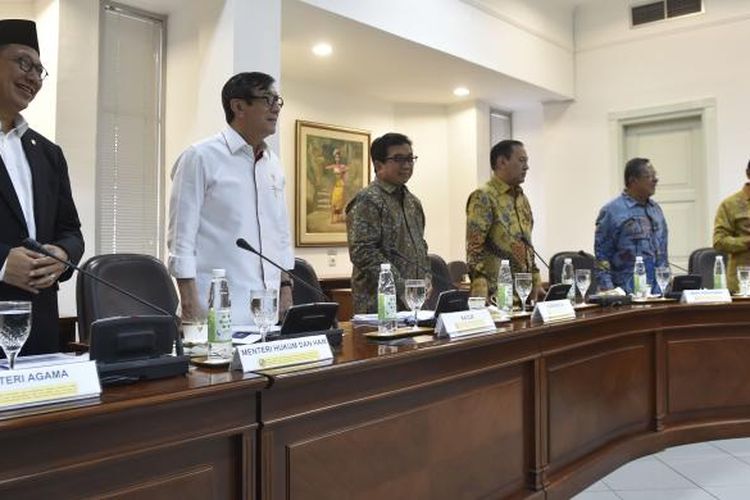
(402, 316)
(249, 334)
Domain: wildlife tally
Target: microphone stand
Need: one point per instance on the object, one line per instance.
(528, 244)
(241, 243)
(34, 245)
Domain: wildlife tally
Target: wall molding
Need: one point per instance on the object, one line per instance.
(482, 6)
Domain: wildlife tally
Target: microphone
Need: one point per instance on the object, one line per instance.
(526, 242)
(248, 247)
(413, 262)
(34, 245)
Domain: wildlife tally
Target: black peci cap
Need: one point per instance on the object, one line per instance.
(20, 31)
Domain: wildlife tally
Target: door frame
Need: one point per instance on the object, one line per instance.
(704, 109)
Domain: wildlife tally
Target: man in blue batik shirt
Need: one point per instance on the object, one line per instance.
(632, 224)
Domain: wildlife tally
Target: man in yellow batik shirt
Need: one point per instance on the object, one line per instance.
(732, 231)
(499, 222)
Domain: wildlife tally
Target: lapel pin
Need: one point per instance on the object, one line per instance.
(33, 142)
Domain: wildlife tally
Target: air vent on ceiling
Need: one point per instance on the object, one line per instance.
(676, 8)
(649, 12)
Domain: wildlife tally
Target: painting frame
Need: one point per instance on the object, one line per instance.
(332, 163)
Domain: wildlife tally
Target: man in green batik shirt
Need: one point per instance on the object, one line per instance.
(384, 220)
(499, 222)
(732, 231)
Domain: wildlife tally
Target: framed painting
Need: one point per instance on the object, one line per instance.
(332, 163)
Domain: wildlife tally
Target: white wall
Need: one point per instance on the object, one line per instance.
(75, 122)
(459, 29)
(427, 127)
(620, 70)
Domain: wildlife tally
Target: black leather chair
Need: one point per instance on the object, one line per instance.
(142, 275)
(300, 293)
(457, 270)
(441, 279)
(581, 260)
(702, 263)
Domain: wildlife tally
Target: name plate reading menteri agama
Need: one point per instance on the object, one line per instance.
(265, 355)
(48, 384)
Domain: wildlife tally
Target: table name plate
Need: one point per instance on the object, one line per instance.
(717, 296)
(265, 355)
(462, 323)
(554, 310)
(26, 387)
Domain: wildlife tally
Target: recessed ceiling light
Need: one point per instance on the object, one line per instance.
(461, 92)
(322, 49)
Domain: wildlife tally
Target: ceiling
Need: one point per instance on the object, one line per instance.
(384, 66)
(378, 64)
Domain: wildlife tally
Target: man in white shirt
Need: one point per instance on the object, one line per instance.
(35, 195)
(226, 187)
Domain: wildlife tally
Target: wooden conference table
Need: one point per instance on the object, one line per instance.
(532, 411)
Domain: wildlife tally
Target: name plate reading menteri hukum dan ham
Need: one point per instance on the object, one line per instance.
(265, 355)
(48, 384)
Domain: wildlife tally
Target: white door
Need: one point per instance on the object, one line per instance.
(675, 148)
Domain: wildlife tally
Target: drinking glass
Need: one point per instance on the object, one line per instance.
(523, 288)
(662, 278)
(583, 282)
(416, 293)
(264, 306)
(195, 334)
(15, 326)
(743, 276)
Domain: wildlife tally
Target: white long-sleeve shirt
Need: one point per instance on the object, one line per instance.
(220, 193)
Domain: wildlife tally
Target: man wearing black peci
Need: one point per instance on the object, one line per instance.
(35, 194)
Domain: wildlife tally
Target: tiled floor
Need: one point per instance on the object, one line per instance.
(716, 469)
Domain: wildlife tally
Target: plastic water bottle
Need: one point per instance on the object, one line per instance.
(219, 320)
(504, 295)
(640, 280)
(720, 273)
(387, 320)
(568, 277)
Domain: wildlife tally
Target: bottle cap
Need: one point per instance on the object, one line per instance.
(639, 258)
(505, 262)
(720, 257)
(568, 260)
(386, 266)
(218, 273)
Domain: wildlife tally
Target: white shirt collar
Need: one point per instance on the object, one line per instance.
(21, 126)
(235, 142)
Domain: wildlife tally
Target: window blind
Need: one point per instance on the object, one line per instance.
(129, 170)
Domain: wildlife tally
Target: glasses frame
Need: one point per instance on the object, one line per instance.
(402, 159)
(27, 65)
(269, 99)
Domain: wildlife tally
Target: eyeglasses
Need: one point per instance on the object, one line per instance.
(270, 99)
(27, 66)
(402, 159)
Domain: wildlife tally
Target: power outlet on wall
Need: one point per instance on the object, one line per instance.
(331, 258)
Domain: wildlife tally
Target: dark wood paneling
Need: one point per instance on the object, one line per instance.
(408, 439)
(185, 437)
(594, 393)
(708, 372)
(597, 394)
(531, 411)
(411, 454)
